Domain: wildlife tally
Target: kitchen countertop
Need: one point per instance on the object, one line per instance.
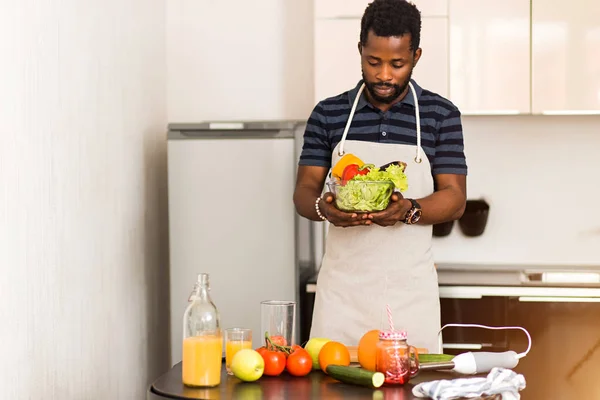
(536, 277)
(316, 385)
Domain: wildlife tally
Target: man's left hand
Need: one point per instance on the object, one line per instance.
(395, 211)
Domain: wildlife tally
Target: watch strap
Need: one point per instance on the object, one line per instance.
(414, 203)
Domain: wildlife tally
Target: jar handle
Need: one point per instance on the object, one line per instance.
(414, 360)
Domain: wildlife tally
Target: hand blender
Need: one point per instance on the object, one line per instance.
(479, 362)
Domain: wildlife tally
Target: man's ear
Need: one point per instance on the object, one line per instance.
(417, 56)
(360, 48)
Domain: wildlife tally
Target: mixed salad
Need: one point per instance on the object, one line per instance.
(365, 187)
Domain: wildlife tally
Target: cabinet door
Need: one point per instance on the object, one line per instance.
(337, 61)
(432, 71)
(490, 56)
(356, 8)
(565, 57)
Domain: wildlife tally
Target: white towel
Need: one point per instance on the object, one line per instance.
(504, 382)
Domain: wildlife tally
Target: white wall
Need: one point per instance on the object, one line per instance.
(82, 198)
(540, 175)
(239, 60)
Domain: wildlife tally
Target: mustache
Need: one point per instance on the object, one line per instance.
(385, 85)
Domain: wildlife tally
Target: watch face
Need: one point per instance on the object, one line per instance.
(416, 216)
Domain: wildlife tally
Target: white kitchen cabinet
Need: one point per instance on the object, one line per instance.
(337, 61)
(356, 8)
(490, 56)
(565, 57)
(431, 72)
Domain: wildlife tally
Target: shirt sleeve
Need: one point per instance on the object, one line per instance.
(449, 147)
(316, 149)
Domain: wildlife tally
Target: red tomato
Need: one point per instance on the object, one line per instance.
(299, 363)
(262, 350)
(274, 362)
(279, 340)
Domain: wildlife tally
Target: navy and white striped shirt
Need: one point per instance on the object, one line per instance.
(441, 128)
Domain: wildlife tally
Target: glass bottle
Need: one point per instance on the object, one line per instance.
(194, 291)
(202, 339)
(395, 358)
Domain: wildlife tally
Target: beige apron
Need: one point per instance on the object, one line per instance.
(366, 267)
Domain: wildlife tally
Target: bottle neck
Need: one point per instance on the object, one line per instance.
(202, 293)
(202, 288)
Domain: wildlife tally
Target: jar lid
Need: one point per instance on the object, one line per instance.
(393, 335)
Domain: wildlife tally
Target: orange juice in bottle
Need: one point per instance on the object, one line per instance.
(202, 339)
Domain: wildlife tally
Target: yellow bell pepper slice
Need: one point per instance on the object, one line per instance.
(343, 162)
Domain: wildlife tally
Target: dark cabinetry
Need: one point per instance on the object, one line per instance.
(564, 360)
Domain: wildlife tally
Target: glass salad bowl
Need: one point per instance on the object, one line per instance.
(361, 196)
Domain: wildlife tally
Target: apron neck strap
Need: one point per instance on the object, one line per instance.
(417, 121)
(349, 122)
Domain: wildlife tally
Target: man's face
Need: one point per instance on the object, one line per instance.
(387, 65)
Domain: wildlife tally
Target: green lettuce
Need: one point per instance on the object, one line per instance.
(372, 191)
(393, 173)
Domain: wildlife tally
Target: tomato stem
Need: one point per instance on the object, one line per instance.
(274, 346)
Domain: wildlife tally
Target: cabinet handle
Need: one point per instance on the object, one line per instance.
(463, 346)
(571, 112)
(556, 299)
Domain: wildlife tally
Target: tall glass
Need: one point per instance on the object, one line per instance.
(278, 320)
(236, 339)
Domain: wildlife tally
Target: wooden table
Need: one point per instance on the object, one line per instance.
(316, 385)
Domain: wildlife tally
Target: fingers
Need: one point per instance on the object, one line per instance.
(344, 219)
(328, 197)
(396, 196)
(340, 218)
(354, 223)
(389, 216)
(333, 212)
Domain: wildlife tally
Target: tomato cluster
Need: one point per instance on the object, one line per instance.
(279, 357)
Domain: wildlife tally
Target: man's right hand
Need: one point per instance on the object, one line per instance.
(340, 218)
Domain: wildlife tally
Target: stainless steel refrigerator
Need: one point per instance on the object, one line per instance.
(231, 214)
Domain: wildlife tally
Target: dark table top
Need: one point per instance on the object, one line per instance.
(316, 385)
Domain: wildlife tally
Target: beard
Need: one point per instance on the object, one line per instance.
(397, 90)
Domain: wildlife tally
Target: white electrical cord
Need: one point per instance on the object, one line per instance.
(520, 355)
(481, 361)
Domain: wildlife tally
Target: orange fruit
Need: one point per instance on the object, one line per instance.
(367, 349)
(333, 353)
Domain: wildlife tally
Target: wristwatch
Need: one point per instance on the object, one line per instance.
(413, 214)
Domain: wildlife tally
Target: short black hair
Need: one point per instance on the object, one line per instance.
(392, 18)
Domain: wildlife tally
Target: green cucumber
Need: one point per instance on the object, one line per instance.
(355, 376)
(426, 357)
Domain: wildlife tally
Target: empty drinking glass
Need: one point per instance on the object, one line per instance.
(278, 320)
